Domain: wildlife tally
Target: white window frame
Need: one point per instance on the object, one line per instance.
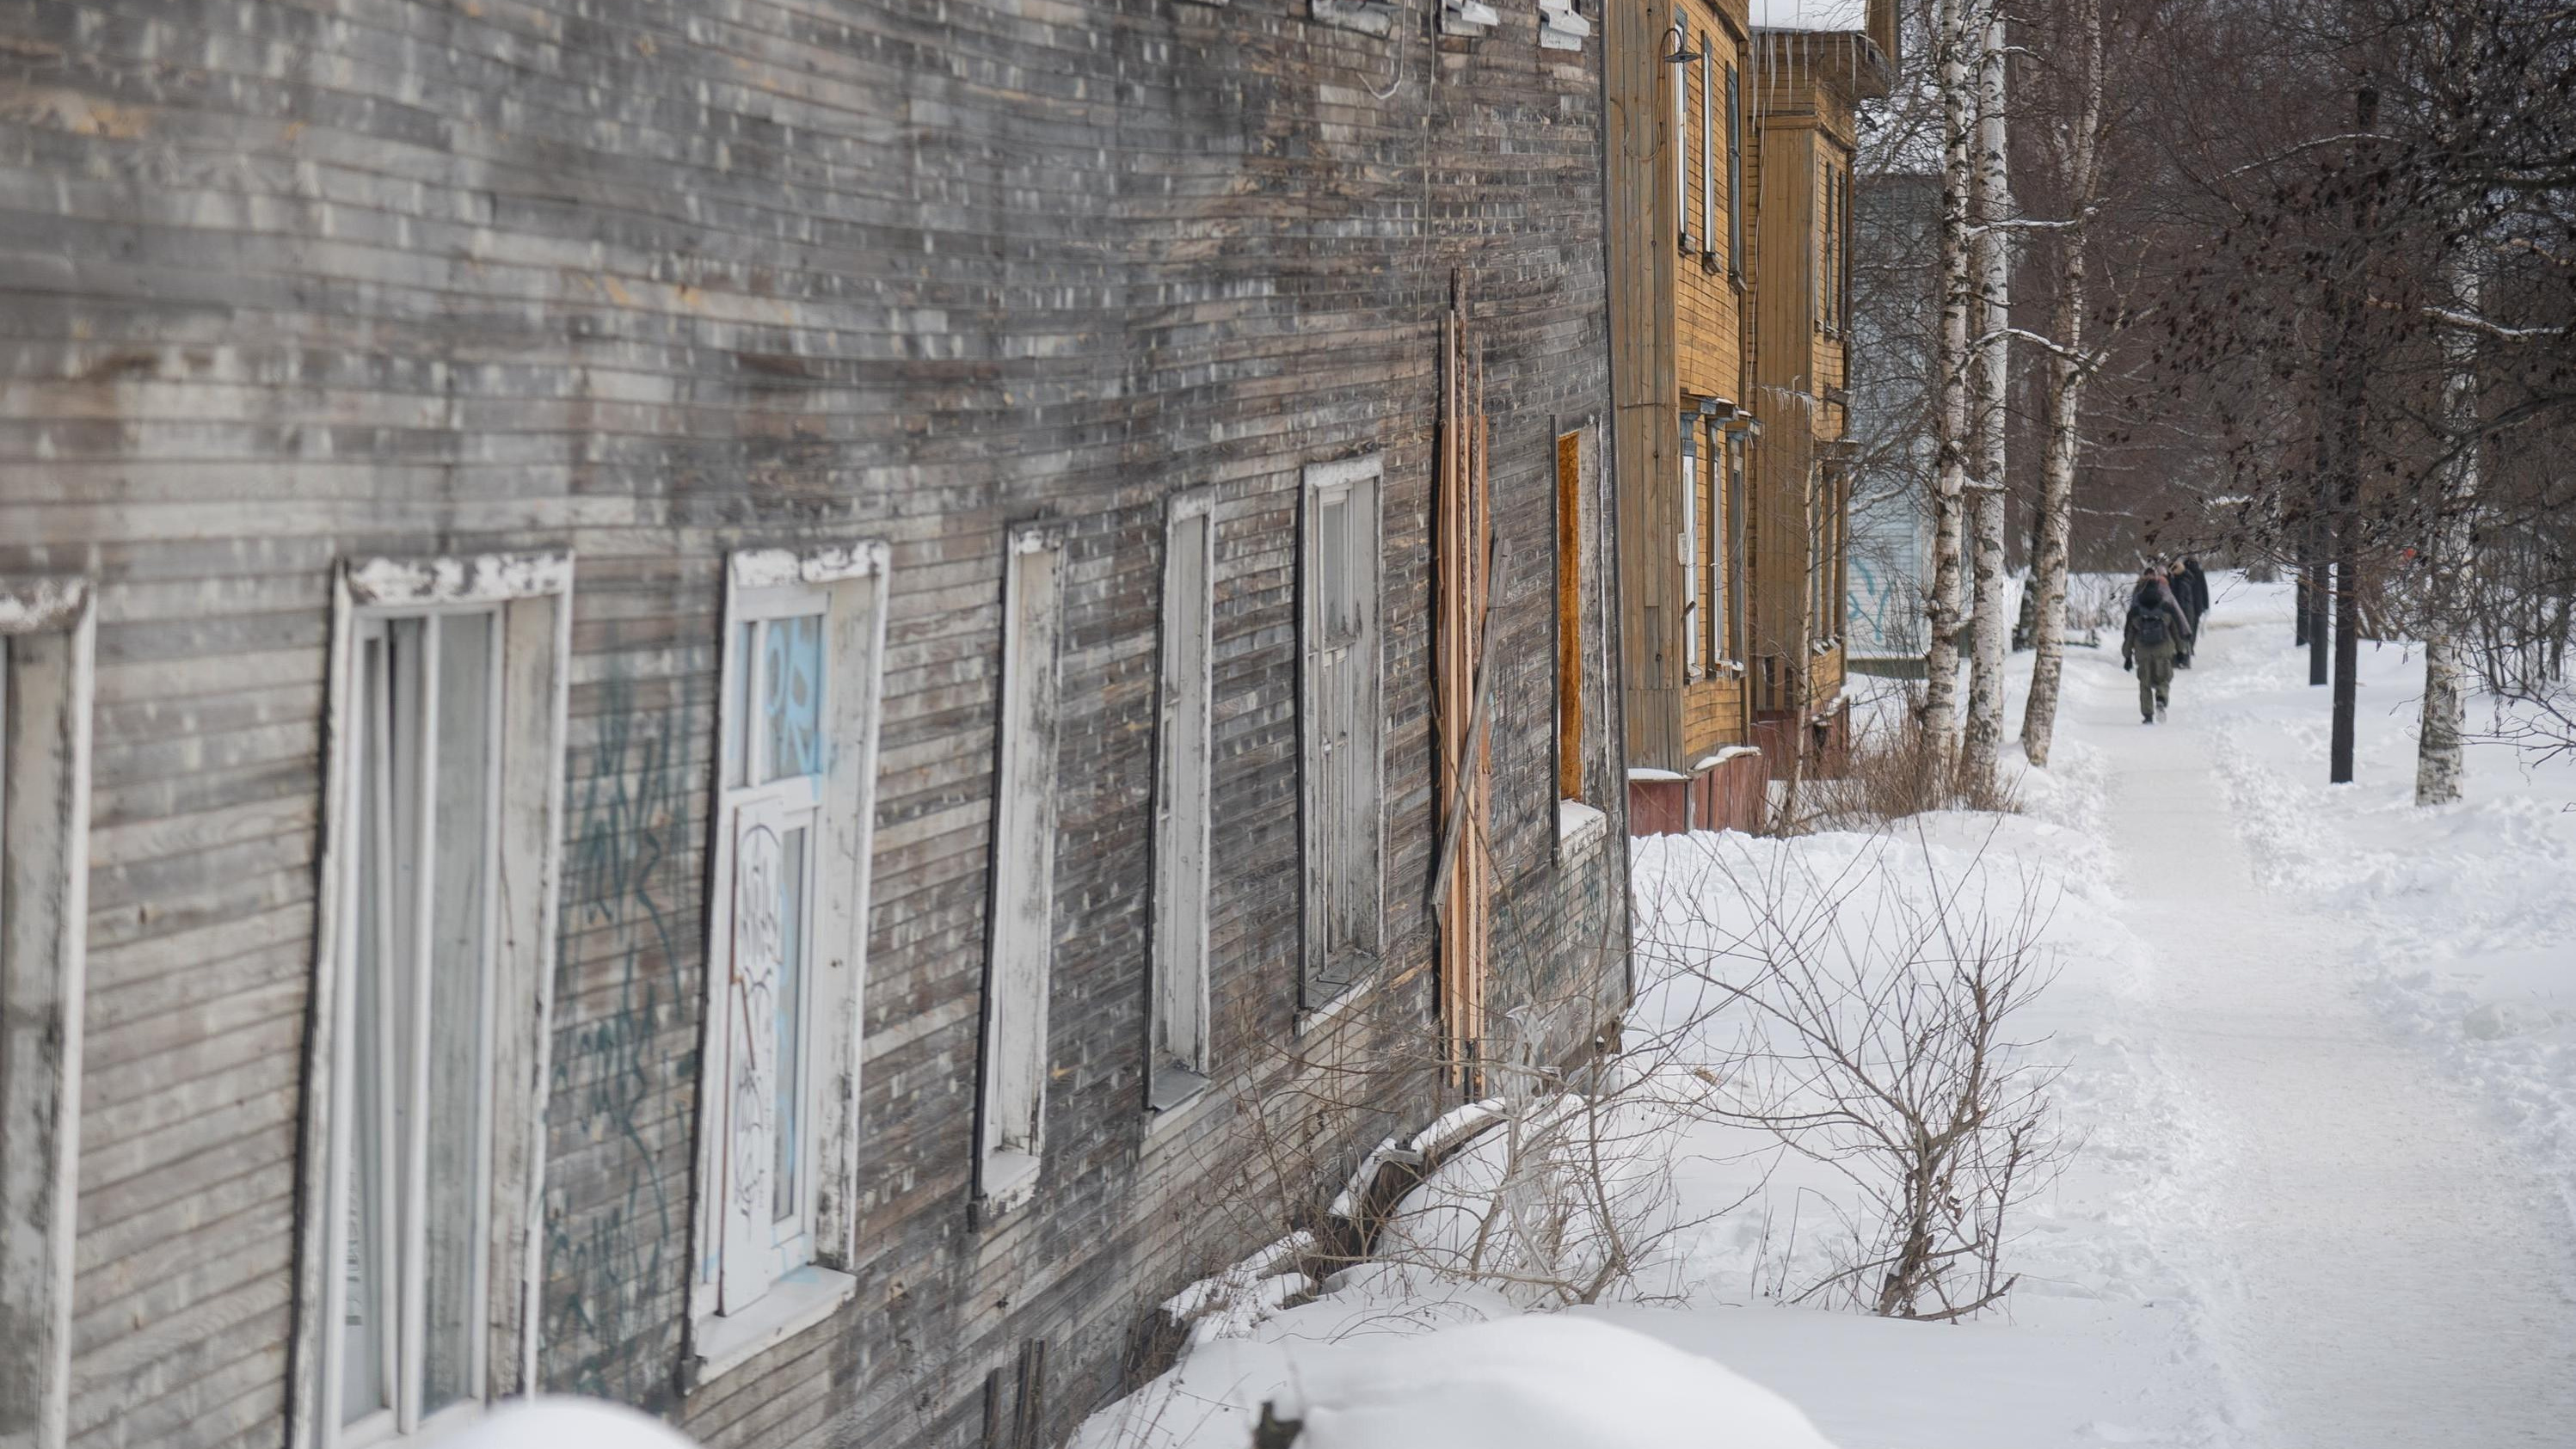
(1694, 554)
(1178, 1061)
(1707, 149)
(1680, 73)
(48, 633)
(1020, 948)
(1734, 177)
(786, 1285)
(1325, 984)
(532, 595)
(1729, 489)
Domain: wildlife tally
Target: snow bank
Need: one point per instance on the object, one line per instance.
(568, 1423)
(1546, 1381)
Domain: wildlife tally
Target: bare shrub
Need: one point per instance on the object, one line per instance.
(1895, 770)
(1878, 1037)
(1554, 1187)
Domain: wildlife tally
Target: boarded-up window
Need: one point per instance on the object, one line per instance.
(1021, 933)
(1182, 793)
(786, 941)
(1569, 616)
(46, 646)
(443, 831)
(1341, 725)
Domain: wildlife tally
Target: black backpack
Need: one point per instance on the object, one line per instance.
(2151, 625)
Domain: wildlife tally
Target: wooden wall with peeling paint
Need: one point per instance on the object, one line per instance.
(284, 284)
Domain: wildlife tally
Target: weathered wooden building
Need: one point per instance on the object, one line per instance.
(749, 707)
(1732, 137)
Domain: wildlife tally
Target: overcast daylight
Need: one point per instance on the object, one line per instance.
(1287, 724)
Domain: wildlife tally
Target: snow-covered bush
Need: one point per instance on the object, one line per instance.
(1866, 1005)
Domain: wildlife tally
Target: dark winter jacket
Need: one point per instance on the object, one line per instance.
(2191, 590)
(2153, 600)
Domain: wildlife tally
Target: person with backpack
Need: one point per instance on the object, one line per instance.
(2149, 644)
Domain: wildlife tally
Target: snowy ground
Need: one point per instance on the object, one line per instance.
(2320, 1047)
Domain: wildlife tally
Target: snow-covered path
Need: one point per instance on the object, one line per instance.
(2377, 1265)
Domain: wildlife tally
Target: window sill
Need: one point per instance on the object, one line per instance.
(1173, 1087)
(1008, 1180)
(1578, 825)
(1560, 28)
(798, 1302)
(1368, 17)
(1176, 1097)
(1323, 1015)
(1469, 18)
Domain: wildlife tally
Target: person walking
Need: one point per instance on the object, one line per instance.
(2191, 588)
(2151, 640)
(2175, 589)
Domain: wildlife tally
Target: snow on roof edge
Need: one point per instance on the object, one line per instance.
(1827, 16)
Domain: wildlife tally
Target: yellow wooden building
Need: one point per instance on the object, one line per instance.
(1731, 148)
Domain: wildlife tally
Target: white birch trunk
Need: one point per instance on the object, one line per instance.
(2066, 373)
(2438, 765)
(1953, 23)
(1994, 206)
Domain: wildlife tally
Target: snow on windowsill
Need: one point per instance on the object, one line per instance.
(1324, 1014)
(1176, 1096)
(1578, 825)
(794, 1304)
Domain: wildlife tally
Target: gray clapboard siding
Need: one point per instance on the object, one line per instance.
(660, 281)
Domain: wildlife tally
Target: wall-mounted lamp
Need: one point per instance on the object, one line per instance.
(1678, 55)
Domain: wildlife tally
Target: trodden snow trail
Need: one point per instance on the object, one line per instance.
(2378, 1267)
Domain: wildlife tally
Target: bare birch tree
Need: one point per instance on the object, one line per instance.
(1991, 180)
(1953, 23)
(2437, 747)
(2067, 369)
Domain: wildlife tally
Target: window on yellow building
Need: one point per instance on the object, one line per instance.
(1842, 286)
(1707, 157)
(1732, 554)
(1825, 268)
(1734, 180)
(1694, 570)
(1680, 42)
